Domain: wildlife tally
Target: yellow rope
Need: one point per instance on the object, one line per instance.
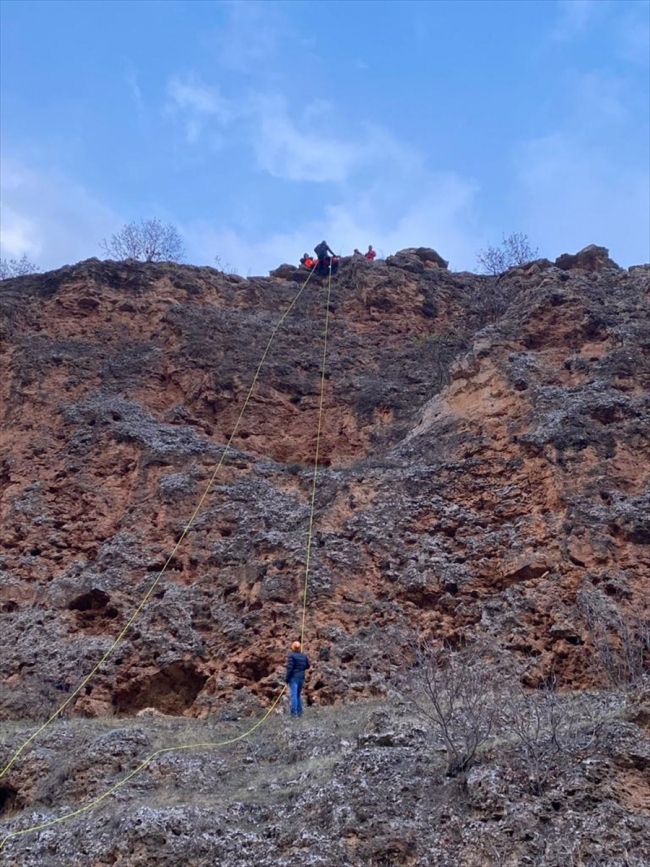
(131, 774)
(151, 589)
(317, 456)
(212, 745)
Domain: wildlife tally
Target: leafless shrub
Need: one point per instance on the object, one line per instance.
(471, 697)
(514, 249)
(456, 693)
(621, 642)
(495, 296)
(548, 732)
(147, 241)
(17, 268)
(225, 267)
(491, 301)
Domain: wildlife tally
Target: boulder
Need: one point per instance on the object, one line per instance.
(284, 271)
(416, 259)
(591, 258)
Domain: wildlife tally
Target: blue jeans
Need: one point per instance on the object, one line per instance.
(296, 702)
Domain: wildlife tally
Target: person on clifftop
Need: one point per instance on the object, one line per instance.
(324, 252)
(297, 665)
(371, 254)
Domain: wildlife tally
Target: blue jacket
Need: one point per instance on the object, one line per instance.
(297, 665)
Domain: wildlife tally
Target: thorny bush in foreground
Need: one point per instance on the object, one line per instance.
(456, 693)
(472, 699)
(546, 731)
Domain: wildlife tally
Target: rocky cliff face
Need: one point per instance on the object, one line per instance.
(485, 473)
(485, 470)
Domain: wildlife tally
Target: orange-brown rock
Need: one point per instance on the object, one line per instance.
(485, 469)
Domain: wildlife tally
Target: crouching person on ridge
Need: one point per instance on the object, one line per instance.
(297, 665)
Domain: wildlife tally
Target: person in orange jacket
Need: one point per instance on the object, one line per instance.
(370, 255)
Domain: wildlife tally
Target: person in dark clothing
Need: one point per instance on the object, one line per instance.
(327, 259)
(297, 665)
(323, 250)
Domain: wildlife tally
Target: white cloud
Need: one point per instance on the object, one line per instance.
(19, 234)
(588, 180)
(572, 187)
(574, 195)
(250, 36)
(285, 151)
(439, 213)
(633, 34)
(51, 218)
(381, 190)
(131, 81)
(598, 100)
(190, 93)
(196, 104)
(573, 18)
(288, 144)
(627, 25)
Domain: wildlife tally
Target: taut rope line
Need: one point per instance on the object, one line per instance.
(156, 581)
(316, 458)
(213, 745)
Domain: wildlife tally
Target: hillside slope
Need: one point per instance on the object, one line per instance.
(356, 786)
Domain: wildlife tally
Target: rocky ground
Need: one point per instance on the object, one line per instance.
(486, 472)
(353, 786)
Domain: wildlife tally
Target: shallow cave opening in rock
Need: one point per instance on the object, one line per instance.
(171, 690)
(255, 669)
(93, 607)
(8, 798)
(94, 600)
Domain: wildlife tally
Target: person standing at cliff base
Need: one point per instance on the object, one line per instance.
(297, 665)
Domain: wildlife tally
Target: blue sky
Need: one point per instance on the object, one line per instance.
(259, 128)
